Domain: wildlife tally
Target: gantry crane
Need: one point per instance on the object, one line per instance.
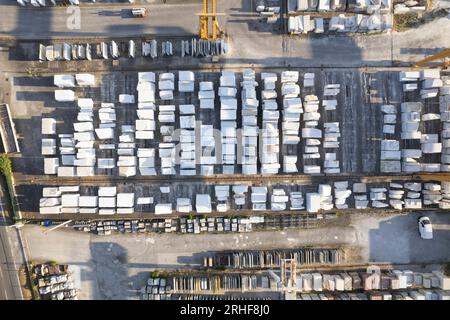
(205, 22)
(443, 55)
(289, 273)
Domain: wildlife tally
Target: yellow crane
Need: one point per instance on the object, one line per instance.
(442, 55)
(289, 273)
(204, 22)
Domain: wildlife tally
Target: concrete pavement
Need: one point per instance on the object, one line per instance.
(252, 41)
(113, 267)
(31, 23)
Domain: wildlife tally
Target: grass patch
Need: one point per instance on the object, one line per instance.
(155, 274)
(405, 21)
(6, 171)
(26, 286)
(220, 268)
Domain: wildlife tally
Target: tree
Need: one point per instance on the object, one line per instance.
(5, 165)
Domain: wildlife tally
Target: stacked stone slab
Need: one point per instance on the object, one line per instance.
(396, 194)
(360, 195)
(341, 193)
(107, 200)
(106, 135)
(228, 110)
(413, 198)
(249, 144)
(331, 130)
(292, 110)
(297, 201)
(51, 164)
(84, 137)
(186, 81)
(311, 134)
(444, 110)
(207, 145)
(127, 160)
(445, 192)
(292, 107)
(410, 80)
(269, 140)
(331, 141)
(166, 119)
(389, 118)
(378, 197)
(166, 85)
(222, 195)
(390, 156)
(239, 192)
(187, 161)
(51, 201)
(259, 198)
(410, 118)
(431, 193)
(187, 139)
(145, 124)
(206, 95)
(326, 197)
(430, 83)
(278, 200)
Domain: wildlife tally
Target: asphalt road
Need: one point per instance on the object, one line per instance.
(112, 267)
(6, 286)
(9, 281)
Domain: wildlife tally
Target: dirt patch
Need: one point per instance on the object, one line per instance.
(28, 290)
(341, 220)
(409, 20)
(352, 255)
(405, 21)
(447, 269)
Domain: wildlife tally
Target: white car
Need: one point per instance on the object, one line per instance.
(425, 228)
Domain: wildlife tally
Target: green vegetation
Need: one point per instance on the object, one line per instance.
(154, 274)
(220, 268)
(6, 170)
(5, 165)
(53, 263)
(190, 216)
(405, 21)
(447, 269)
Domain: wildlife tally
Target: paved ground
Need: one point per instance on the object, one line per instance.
(362, 92)
(6, 278)
(396, 238)
(249, 36)
(10, 261)
(114, 267)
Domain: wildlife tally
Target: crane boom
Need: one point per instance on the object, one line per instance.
(442, 55)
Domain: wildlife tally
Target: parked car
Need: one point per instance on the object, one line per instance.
(139, 12)
(425, 228)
